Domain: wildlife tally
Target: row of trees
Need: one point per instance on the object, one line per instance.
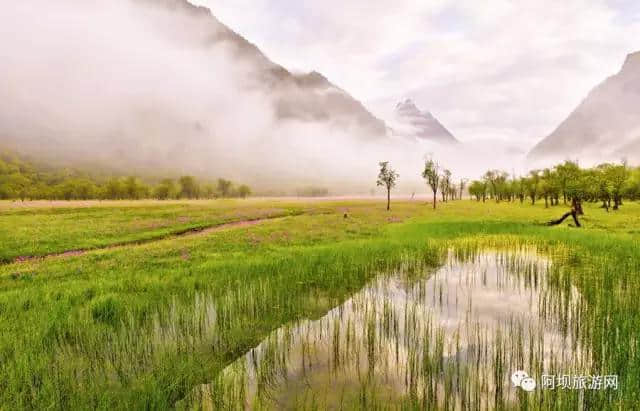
(566, 182)
(442, 180)
(188, 187)
(436, 178)
(22, 180)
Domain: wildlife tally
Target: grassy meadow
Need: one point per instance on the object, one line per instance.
(153, 309)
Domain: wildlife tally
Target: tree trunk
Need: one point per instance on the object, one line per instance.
(388, 199)
(572, 213)
(577, 205)
(434, 200)
(546, 202)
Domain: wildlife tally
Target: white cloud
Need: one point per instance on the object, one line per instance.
(509, 70)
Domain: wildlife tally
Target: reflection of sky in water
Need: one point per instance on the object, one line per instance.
(465, 302)
(490, 291)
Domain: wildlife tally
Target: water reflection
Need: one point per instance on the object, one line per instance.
(449, 337)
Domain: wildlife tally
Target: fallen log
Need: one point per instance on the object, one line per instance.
(572, 213)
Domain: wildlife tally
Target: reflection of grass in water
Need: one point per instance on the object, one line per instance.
(381, 349)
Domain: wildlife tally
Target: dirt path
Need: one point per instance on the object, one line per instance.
(188, 232)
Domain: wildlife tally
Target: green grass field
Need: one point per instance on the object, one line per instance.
(128, 324)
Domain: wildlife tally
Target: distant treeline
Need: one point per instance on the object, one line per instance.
(21, 179)
(312, 191)
(607, 183)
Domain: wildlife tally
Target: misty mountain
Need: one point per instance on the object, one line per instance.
(304, 97)
(162, 86)
(605, 126)
(421, 124)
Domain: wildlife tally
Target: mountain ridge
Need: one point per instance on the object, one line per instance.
(306, 97)
(423, 125)
(604, 123)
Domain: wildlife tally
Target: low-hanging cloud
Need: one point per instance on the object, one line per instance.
(140, 86)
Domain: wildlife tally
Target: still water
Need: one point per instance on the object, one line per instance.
(449, 337)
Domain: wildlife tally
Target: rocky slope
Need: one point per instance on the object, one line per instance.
(306, 97)
(605, 126)
(421, 124)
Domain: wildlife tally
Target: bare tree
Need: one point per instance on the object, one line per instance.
(431, 175)
(387, 177)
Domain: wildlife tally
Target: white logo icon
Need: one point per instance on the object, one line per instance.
(521, 379)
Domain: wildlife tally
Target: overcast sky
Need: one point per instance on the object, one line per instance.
(499, 69)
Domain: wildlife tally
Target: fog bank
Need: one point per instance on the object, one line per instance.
(139, 86)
